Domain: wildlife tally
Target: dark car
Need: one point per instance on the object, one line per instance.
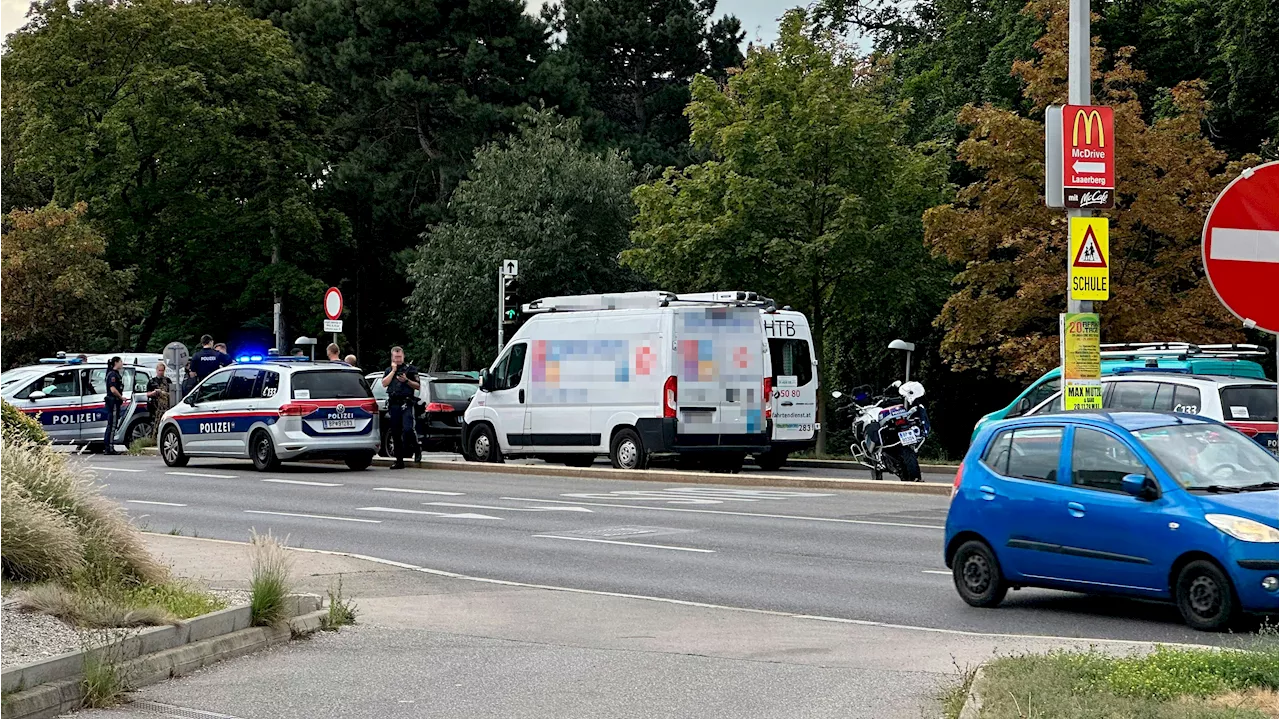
(442, 400)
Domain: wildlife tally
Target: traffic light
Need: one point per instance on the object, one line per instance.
(510, 302)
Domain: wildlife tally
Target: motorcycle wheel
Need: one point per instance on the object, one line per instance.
(877, 474)
(910, 465)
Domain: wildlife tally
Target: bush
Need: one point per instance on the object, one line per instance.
(119, 606)
(37, 543)
(270, 581)
(19, 426)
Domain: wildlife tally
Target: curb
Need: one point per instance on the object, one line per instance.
(854, 466)
(54, 686)
(972, 708)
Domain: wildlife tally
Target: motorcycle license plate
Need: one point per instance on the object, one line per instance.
(909, 435)
(339, 424)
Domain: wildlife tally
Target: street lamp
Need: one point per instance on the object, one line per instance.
(907, 347)
(309, 341)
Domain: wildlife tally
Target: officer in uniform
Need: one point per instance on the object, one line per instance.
(115, 399)
(191, 381)
(159, 389)
(401, 381)
(207, 359)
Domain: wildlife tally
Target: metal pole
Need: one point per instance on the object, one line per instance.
(502, 310)
(1079, 92)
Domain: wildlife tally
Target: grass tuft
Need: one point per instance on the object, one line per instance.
(115, 606)
(104, 682)
(954, 696)
(342, 611)
(270, 580)
(141, 444)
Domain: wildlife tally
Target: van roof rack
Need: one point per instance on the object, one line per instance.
(1180, 350)
(644, 300)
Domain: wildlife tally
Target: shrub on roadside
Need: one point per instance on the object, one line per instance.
(36, 542)
(119, 606)
(20, 426)
(270, 580)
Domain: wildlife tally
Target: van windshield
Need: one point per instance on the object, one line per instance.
(330, 384)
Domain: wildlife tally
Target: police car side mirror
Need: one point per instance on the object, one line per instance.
(35, 395)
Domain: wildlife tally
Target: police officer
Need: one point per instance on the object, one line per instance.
(401, 381)
(207, 359)
(190, 382)
(115, 398)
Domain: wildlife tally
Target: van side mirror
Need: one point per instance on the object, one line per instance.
(1140, 486)
(486, 381)
(35, 395)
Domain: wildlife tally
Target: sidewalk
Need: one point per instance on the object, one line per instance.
(432, 646)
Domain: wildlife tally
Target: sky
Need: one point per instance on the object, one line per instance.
(759, 17)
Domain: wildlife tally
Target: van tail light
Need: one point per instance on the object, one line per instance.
(669, 397)
(955, 486)
(768, 398)
(439, 407)
(297, 409)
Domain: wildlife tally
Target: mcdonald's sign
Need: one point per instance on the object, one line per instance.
(1088, 157)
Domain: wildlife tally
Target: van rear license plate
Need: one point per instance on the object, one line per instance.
(339, 424)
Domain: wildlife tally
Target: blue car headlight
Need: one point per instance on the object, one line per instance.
(1246, 530)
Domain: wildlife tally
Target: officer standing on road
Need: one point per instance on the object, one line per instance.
(207, 359)
(158, 390)
(401, 381)
(190, 382)
(115, 398)
(334, 352)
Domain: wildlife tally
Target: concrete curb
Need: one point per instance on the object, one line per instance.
(54, 686)
(972, 708)
(854, 466)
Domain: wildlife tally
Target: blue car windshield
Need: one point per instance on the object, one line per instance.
(1200, 456)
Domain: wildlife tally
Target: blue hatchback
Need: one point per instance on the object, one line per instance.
(1145, 504)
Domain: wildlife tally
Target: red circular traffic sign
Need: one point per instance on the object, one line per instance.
(333, 303)
(1241, 246)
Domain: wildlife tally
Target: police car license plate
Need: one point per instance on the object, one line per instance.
(339, 424)
(909, 435)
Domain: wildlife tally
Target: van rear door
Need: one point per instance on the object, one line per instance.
(720, 369)
(795, 381)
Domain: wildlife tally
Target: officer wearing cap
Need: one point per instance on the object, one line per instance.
(401, 381)
(207, 359)
(115, 399)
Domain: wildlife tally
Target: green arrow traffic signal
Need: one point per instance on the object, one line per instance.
(510, 316)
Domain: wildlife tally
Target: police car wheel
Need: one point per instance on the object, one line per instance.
(263, 452)
(140, 429)
(171, 449)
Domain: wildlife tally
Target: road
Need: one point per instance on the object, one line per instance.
(863, 556)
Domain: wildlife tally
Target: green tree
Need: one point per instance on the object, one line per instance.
(540, 197)
(186, 129)
(59, 292)
(810, 198)
(632, 61)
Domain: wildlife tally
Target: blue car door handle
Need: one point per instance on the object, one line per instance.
(1076, 509)
(987, 491)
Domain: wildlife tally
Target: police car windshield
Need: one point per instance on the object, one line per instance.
(17, 374)
(329, 384)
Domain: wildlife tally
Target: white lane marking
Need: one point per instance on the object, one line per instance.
(115, 469)
(509, 509)
(299, 481)
(738, 514)
(314, 516)
(936, 571)
(694, 495)
(418, 491)
(397, 510)
(625, 544)
(202, 474)
(705, 605)
(1244, 245)
(162, 504)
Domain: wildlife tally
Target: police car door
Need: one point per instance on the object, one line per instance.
(238, 408)
(55, 397)
(204, 427)
(93, 397)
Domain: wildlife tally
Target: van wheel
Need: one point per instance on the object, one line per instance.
(977, 575)
(484, 445)
(171, 449)
(771, 460)
(1205, 597)
(263, 452)
(627, 451)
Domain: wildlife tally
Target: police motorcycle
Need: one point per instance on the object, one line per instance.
(888, 429)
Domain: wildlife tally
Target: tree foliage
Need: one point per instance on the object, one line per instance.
(187, 130)
(540, 197)
(59, 291)
(1002, 317)
(810, 198)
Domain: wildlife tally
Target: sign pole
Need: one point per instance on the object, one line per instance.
(502, 310)
(1079, 92)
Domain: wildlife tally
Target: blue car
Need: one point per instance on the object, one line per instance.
(1144, 504)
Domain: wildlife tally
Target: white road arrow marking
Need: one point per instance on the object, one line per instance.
(508, 509)
(1244, 245)
(446, 515)
(1091, 168)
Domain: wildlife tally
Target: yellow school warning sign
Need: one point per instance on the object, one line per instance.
(1090, 266)
(1081, 360)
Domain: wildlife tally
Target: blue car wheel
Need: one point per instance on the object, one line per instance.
(1205, 597)
(977, 575)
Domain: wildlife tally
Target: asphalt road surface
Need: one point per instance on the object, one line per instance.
(870, 556)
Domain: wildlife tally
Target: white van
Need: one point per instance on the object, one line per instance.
(631, 375)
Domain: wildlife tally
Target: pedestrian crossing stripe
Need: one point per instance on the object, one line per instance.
(1089, 255)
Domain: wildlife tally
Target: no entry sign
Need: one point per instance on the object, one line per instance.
(1241, 247)
(333, 303)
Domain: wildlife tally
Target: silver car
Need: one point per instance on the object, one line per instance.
(69, 400)
(272, 411)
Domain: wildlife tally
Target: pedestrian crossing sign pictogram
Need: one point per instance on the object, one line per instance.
(1090, 268)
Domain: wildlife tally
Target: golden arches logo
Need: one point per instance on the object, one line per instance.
(1088, 119)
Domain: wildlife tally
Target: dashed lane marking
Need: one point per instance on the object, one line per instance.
(418, 491)
(314, 516)
(625, 544)
(299, 481)
(162, 504)
(737, 514)
(202, 474)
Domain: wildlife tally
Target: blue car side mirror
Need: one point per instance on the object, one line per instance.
(1136, 485)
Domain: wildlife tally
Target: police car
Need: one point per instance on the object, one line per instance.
(69, 400)
(275, 410)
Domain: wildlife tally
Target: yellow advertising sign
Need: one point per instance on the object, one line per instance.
(1081, 361)
(1090, 264)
